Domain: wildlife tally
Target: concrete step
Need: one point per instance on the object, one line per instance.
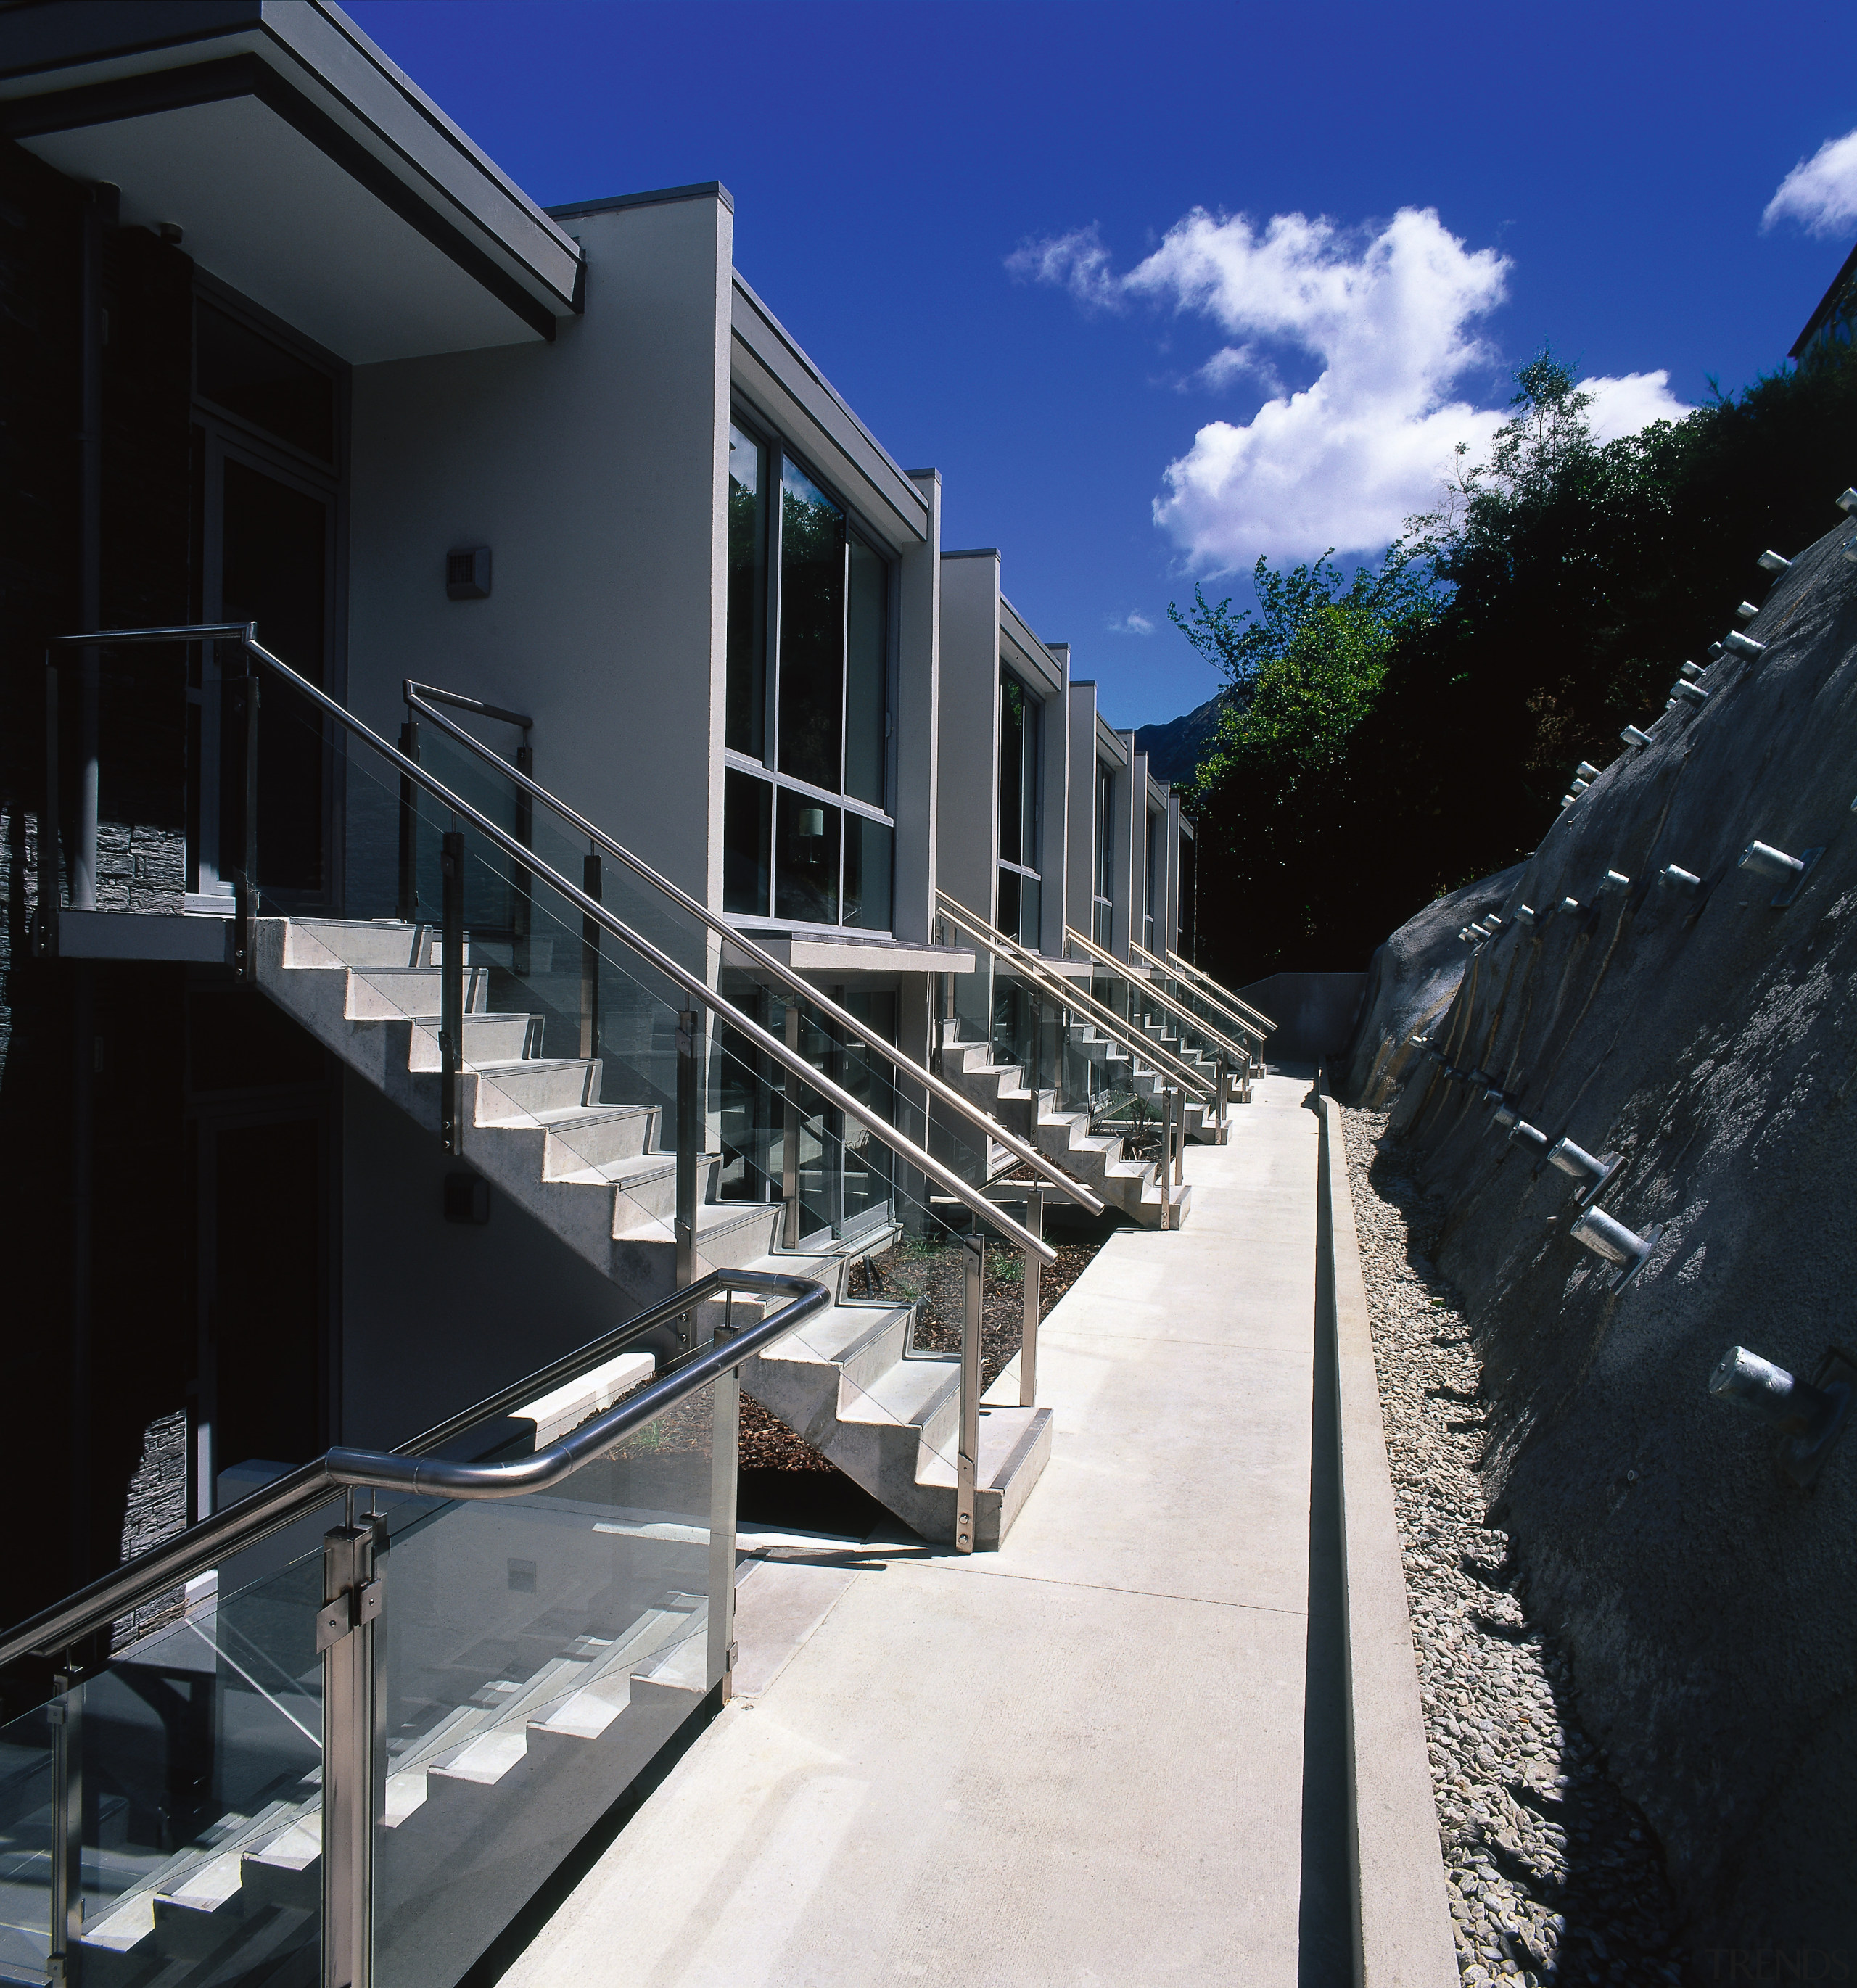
(539, 1085)
(595, 1135)
(412, 990)
(364, 942)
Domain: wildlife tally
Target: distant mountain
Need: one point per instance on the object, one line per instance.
(1173, 749)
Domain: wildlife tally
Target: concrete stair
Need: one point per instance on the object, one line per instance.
(890, 1419)
(595, 1171)
(1098, 1161)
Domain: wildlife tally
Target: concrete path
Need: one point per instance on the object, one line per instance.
(1081, 1759)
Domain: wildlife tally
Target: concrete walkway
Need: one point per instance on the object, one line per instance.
(1079, 1760)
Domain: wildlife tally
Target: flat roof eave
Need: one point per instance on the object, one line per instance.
(304, 168)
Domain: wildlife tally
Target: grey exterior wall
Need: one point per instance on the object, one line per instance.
(1054, 809)
(596, 470)
(969, 722)
(1080, 818)
(917, 724)
(434, 1314)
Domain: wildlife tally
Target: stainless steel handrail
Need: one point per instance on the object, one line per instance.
(267, 1511)
(763, 960)
(1177, 1010)
(1223, 996)
(770, 1046)
(459, 702)
(1036, 970)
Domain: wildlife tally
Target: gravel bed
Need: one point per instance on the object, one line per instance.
(1553, 1876)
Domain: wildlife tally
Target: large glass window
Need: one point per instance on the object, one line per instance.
(1017, 914)
(1153, 892)
(808, 836)
(745, 729)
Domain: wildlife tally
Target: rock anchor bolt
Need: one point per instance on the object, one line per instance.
(1582, 1166)
(1787, 871)
(1608, 1237)
(1810, 1418)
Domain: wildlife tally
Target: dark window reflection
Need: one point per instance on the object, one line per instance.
(811, 632)
(747, 842)
(1007, 917)
(1011, 771)
(806, 875)
(240, 370)
(276, 572)
(868, 854)
(747, 625)
(1030, 896)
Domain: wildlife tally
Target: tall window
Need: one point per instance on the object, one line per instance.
(807, 832)
(1153, 897)
(1102, 911)
(1020, 888)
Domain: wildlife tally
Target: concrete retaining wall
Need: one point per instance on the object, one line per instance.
(1402, 1915)
(1314, 1012)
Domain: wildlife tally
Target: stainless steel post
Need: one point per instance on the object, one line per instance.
(245, 878)
(521, 907)
(409, 826)
(1179, 1138)
(789, 1140)
(967, 1469)
(1163, 1171)
(589, 959)
(1034, 1272)
(345, 1632)
(1225, 1080)
(64, 1964)
(44, 932)
(725, 1456)
(100, 205)
(689, 1145)
(450, 988)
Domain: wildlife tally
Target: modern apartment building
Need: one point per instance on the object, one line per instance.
(543, 825)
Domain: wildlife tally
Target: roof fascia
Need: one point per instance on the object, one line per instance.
(775, 374)
(97, 60)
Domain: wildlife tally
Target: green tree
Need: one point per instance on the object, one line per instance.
(1547, 602)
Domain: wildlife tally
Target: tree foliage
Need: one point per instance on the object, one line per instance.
(1391, 735)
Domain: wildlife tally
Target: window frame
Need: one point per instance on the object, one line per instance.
(778, 454)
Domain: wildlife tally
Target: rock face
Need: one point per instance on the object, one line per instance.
(1173, 749)
(1710, 1039)
(1410, 982)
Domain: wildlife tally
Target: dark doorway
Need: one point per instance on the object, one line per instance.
(268, 476)
(275, 571)
(263, 1298)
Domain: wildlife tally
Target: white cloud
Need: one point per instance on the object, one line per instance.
(1392, 315)
(1078, 262)
(1820, 193)
(1134, 623)
(1633, 400)
(1233, 362)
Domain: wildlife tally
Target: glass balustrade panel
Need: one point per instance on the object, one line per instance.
(537, 1653)
(194, 1755)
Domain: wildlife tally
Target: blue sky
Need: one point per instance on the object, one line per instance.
(977, 219)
